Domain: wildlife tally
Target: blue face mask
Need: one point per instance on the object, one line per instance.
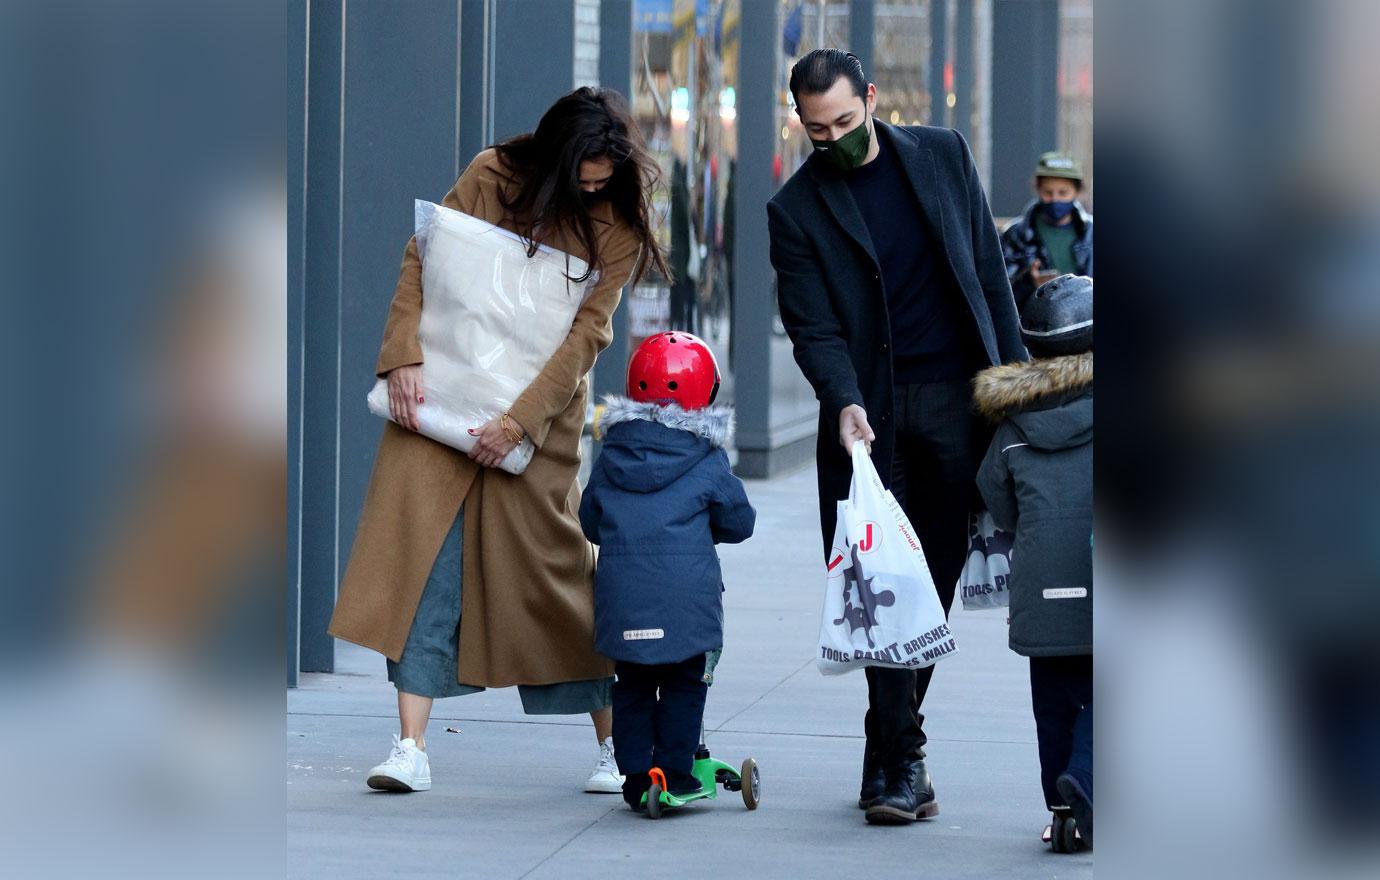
(1057, 211)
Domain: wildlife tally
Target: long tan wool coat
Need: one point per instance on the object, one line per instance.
(528, 604)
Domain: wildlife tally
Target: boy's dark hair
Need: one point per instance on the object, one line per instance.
(817, 72)
(1077, 182)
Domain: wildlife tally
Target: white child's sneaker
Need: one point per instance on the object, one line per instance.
(605, 778)
(407, 768)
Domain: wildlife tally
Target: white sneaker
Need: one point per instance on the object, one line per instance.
(605, 779)
(407, 768)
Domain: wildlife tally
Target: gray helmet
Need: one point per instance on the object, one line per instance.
(1058, 317)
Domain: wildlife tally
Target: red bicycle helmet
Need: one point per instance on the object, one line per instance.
(673, 367)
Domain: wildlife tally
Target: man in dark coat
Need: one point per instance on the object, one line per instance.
(894, 292)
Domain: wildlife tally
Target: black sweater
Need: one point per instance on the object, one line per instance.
(932, 332)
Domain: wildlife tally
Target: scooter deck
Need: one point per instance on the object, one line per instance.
(706, 770)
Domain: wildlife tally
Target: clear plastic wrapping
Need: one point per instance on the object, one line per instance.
(491, 319)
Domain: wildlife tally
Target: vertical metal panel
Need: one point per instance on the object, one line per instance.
(939, 55)
(381, 102)
(615, 72)
(862, 25)
(964, 79)
(753, 188)
(534, 61)
(400, 134)
(321, 326)
(1025, 102)
(297, 17)
(476, 40)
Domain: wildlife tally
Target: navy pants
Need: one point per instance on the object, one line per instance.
(657, 715)
(1061, 693)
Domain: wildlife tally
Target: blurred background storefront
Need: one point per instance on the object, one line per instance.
(388, 102)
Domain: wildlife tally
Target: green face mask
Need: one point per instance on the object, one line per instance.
(849, 151)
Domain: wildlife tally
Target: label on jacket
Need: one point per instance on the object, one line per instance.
(1067, 593)
(637, 635)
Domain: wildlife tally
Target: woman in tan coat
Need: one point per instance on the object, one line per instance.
(435, 518)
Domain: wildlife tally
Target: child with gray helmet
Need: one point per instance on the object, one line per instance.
(1037, 482)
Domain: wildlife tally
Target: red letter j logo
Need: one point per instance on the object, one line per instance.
(866, 543)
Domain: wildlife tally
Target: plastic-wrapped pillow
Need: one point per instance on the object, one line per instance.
(491, 319)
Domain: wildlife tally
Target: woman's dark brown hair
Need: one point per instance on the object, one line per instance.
(585, 125)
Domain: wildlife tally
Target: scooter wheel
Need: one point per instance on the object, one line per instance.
(654, 802)
(1061, 838)
(1073, 842)
(752, 784)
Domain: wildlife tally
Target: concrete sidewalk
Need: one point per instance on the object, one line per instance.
(507, 799)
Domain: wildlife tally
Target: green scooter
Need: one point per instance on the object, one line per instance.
(711, 773)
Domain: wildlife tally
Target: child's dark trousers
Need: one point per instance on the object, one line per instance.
(1061, 692)
(657, 715)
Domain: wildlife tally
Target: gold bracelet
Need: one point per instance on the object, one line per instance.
(508, 430)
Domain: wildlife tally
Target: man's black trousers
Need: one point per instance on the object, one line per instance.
(939, 446)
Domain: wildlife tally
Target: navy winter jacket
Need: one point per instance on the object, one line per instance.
(660, 496)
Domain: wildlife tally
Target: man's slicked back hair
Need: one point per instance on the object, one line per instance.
(816, 73)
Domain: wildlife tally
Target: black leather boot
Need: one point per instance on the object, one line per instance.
(873, 780)
(909, 795)
(926, 807)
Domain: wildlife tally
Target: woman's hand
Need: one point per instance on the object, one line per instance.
(404, 395)
(493, 444)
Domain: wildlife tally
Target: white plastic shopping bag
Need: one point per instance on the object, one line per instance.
(491, 319)
(984, 581)
(880, 605)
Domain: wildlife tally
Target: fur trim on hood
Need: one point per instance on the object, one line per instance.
(999, 390)
(714, 423)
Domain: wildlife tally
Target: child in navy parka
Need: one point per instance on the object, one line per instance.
(660, 496)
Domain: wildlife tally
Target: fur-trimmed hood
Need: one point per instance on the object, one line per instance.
(999, 390)
(1049, 399)
(713, 423)
(647, 446)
